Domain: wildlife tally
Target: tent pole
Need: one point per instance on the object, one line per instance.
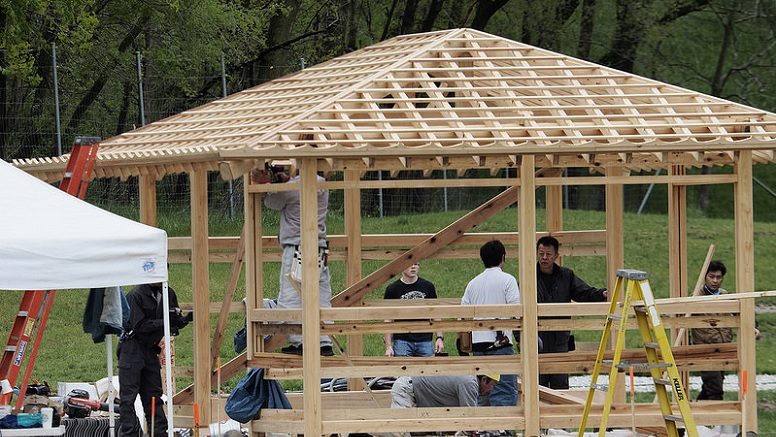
(111, 392)
(167, 356)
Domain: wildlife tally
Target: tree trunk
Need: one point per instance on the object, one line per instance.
(434, 7)
(408, 17)
(586, 24)
(94, 91)
(485, 10)
(717, 86)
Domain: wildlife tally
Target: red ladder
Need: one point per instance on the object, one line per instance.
(36, 305)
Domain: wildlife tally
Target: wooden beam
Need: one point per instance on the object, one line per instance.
(353, 264)
(354, 293)
(200, 270)
(310, 297)
(744, 221)
(147, 189)
(677, 235)
(615, 246)
(528, 297)
(231, 286)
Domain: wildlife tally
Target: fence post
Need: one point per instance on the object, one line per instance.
(140, 88)
(57, 116)
(230, 182)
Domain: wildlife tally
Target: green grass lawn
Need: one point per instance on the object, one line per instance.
(68, 354)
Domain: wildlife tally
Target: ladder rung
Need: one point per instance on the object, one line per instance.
(600, 387)
(643, 366)
(673, 418)
(10, 348)
(23, 314)
(652, 345)
(662, 381)
(68, 174)
(639, 308)
(615, 317)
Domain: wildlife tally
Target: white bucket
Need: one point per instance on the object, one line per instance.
(5, 410)
(226, 425)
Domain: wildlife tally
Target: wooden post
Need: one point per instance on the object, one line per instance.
(311, 311)
(554, 199)
(677, 236)
(353, 262)
(200, 291)
(254, 267)
(615, 246)
(744, 218)
(147, 188)
(527, 226)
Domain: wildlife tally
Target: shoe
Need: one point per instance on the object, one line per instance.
(291, 349)
(327, 351)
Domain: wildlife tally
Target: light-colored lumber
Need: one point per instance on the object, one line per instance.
(147, 191)
(352, 200)
(527, 267)
(744, 234)
(200, 290)
(231, 286)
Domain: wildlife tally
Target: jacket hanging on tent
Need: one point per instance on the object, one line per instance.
(106, 312)
(253, 393)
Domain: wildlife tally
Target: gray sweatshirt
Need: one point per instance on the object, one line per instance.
(288, 203)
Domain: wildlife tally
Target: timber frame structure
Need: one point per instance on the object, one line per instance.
(450, 100)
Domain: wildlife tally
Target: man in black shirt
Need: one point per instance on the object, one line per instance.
(138, 353)
(556, 284)
(412, 286)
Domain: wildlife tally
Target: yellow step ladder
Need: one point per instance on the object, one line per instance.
(633, 287)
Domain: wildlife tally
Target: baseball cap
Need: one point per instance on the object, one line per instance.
(493, 376)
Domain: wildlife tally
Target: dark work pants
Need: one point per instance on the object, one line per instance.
(555, 382)
(711, 387)
(140, 374)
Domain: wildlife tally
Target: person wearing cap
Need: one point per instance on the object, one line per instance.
(441, 391)
(288, 203)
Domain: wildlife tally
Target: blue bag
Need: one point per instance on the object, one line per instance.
(253, 393)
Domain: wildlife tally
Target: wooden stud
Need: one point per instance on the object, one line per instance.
(310, 297)
(352, 199)
(744, 221)
(200, 268)
(527, 267)
(147, 189)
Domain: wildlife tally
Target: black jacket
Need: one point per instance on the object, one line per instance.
(566, 287)
(146, 315)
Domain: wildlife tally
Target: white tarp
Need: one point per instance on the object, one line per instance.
(52, 240)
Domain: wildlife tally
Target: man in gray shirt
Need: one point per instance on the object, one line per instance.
(288, 203)
(441, 391)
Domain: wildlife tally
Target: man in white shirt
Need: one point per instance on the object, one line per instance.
(494, 286)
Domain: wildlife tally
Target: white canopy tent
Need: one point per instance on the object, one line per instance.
(52, 240)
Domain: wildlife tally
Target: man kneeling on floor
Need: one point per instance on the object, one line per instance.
(441, 391)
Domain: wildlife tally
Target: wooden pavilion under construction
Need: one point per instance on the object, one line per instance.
(450, 100)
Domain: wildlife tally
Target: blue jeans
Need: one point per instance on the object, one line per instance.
(504, 394)
(404, 348)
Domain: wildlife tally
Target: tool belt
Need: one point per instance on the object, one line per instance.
(296, 263)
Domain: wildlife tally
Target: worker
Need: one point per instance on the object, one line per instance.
(441, 391)
(138, 356)
(556, 284)
(289, 204)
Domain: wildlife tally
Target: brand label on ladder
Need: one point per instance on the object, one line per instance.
(17, 360)
(28, 327)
